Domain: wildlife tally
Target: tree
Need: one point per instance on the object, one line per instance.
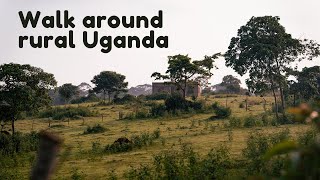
(231, 83)
(23, 88)
(109, 82)
(67, 91)
(306, 86)
(264, 50)
(182, 70)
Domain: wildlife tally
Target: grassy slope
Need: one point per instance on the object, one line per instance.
(192, 129)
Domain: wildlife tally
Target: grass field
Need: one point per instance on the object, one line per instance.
(194, 129)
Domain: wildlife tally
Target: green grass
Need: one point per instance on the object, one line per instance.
(194, 129)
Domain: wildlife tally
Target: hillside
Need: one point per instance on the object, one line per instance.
(193, 129)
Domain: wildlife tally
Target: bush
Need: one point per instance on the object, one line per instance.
(221, 112)
(242, 105)
(158, 110)
(184, 164)
(176, 102)
(95, 129)
(235, 122)
(307, 138)
(142, 114)
(139, 114)
(196, 105)
(125, 99)
(136, 141)
(19, 143)
(59, 113)
(158, 96)
(117, 147)
(249, 122)
(257, 146)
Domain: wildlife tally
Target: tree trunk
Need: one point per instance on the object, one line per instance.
(12, 125)
(283, 104)
(104, 96)
(109, 97)
(294, 99)
(185, 89)
(275, 103)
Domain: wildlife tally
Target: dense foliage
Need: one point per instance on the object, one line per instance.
(61, 113)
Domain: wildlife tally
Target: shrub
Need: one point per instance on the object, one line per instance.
(235, 122)
(125, 99)
(19, 143)
(249, 122)
(221, 112)
(95, 129)
(242, 105)
(257, 145)
(196, 105)
(141, 114)
(158, 110)
(307, 138)
(136, 141)
(252, 121)
(117, 147)
(156, 133)
(176, 102)
(184, 164)
(59, 113)
(77, 175)
(158, 96)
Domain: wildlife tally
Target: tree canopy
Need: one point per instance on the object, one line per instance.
(182, 70)
(266, 51)
(67, 91)
(231, 83)
(306, 85)
(109, 82)
(23, 88)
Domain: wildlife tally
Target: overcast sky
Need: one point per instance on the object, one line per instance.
(197, 28)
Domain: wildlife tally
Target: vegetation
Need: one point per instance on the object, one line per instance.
(23, 88)
(251, 141)
(232, 84)
(182, 70)
(220, 112)
(67, 91)
(157, 96)
(59, 113)
(95, 129)
(137, 141)
(266, 51)
(110, 83)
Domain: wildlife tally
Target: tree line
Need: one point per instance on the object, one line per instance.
(262, 48)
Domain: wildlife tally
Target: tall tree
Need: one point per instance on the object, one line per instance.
(23, 88)
(182, 70)
(67, 91)
(109, 82)
(263, 49)
(231, 83)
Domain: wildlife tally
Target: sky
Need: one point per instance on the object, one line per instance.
(196, 28)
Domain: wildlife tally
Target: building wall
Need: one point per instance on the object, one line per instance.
(159, 87)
